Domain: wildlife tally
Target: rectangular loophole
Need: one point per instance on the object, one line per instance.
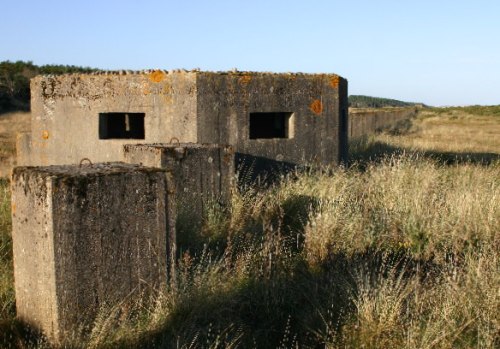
(121, 125)
(271, 125)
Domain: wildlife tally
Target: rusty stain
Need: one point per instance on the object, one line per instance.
(335, 81)
(157, 76)
(45, 134)
(245, 79)
(316, 107)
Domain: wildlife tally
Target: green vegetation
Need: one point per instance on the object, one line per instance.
(400, 250)
(15, 86)
(474, 110)
(6, 276)
(15, 81)
(376, 102)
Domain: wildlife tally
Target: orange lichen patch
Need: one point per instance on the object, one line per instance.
(335, 81)
(157, 76)
(245, 79)
(45, 134)
(316, 107)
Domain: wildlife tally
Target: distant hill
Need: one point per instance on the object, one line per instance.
(15, 81)
(357, 101)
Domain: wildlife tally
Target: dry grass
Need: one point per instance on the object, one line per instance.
(400, 252)
(6, 274)
(10, 125)
(453, 131)
(406, 202)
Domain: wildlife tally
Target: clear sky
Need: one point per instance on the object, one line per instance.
(439, 52)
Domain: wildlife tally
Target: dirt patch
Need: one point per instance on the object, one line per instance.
(10, 125)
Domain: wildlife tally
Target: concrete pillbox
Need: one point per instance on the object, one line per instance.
(85, 237)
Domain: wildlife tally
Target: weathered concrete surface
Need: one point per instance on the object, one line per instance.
(316, 101)
(364, 122)
(23, 148)
(65, 113)
(84, 238)
(199, 173)
(197, 107)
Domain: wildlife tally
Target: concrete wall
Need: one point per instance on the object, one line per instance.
(194, 106)
(368, 121)
(314, 99)
(83, 238)
(65, 113)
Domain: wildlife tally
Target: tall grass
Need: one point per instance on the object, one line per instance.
(403, 253)
(6, 273)
(405, 202)
(400, 252)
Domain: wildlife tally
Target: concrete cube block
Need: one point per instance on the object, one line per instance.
(198, 173)
(85, 237)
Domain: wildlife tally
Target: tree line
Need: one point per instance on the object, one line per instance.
(15, 81)
(15, 86)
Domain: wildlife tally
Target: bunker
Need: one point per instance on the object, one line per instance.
(88, 236)
(284, 117)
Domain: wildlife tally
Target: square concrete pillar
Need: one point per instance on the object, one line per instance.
(199, 173)
(83, 238)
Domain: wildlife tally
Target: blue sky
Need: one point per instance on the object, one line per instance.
(436, 52)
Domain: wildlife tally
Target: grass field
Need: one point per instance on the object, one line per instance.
(446, 134)
(10, 125)
(399, 250)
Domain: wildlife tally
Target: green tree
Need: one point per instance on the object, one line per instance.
(15, 81)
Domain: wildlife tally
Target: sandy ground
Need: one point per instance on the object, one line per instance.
(10, 125)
